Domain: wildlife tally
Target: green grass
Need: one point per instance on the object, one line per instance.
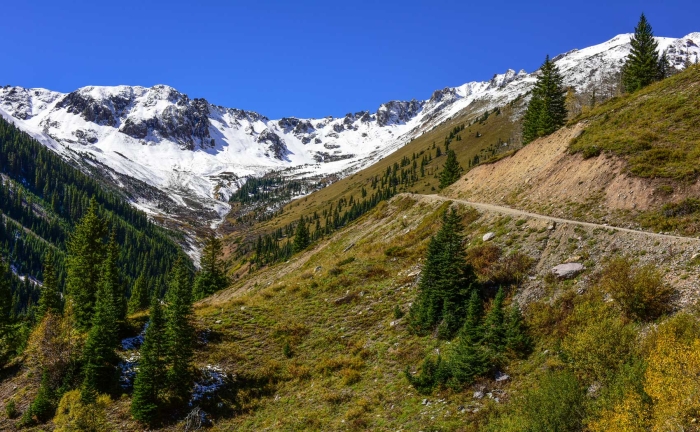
(654, 129)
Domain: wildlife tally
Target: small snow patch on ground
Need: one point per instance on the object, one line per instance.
(212, 379)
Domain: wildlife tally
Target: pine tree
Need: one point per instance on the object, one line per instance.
(546, 111)
(446, 280)
(467, 360)
(517, 341)
(451, 170)
(111, 279)
(179, 332)
(665, 68)
(5, 299)
(43, 406)
(642, 65)
(50, 299)
(471, 328)
(99, 357)
(150, 381)
(139, 294)
(211, 278)
(493, 328)
(84, 265)
(301, 236)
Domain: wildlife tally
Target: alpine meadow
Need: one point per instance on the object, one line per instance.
(516, 254)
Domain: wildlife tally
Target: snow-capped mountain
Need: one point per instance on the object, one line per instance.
(197, 153)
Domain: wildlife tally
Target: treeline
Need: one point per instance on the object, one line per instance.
(42, 198)
(79, 379)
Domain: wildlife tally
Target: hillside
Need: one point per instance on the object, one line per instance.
(181, 158)
(631, 161)
(552, 287)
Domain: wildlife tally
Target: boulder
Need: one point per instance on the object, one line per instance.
(489, 236)
(568, 270)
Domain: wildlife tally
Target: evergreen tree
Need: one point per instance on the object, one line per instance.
(471, 328)
(5, 299)
(50, 299)
(99, 357)
(139, 294)
(111, 279)
(84, 264)
(451, 170)
(494, 331)
(212, 277)
(446, 280)
(43, 406)
(433, 372)
(467, 360)
(179, 332)
(301, 236)
(642, 65)
(546, 111)
(665, 68)
(150, 380)
(517, 341)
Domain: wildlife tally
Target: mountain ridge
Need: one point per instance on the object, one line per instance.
(199, 153)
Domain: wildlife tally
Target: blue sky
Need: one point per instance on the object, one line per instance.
(306, 58)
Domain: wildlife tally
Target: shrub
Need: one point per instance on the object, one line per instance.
(345, 261)
(639, 292)
(396, 251)
(556, 404)
(398, 312)
(11, 409)
(73, 416)
(511, 269)
(483, 257)
(671, 375)
(599, 341)
(350, 376)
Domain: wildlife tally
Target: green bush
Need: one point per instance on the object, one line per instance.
(11, 409)
(640, 291)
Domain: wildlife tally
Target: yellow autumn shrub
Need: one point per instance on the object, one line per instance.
(73, 415)
(630, 415)
(673, 374)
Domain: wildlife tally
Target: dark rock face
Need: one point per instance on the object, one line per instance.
(338, 127)
(442, 98)
(288, 122)
(397, 112)
(327, 157)
(186, 122)
(303, 127)
(274, 143)
(105, 112)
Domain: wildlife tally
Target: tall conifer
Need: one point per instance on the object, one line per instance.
(546, 111)
(642, 65)
(179, 332)
(493, 327)
(446, 280)
(211, 278)
(451, 171)
(139, 294)
(301, 236)
(50, 298)
(150, 380)
(99, 356)
(86, 251)
(112, 280)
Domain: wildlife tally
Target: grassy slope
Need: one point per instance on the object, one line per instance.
(655, 129)
(349, 350)
(496, 126)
